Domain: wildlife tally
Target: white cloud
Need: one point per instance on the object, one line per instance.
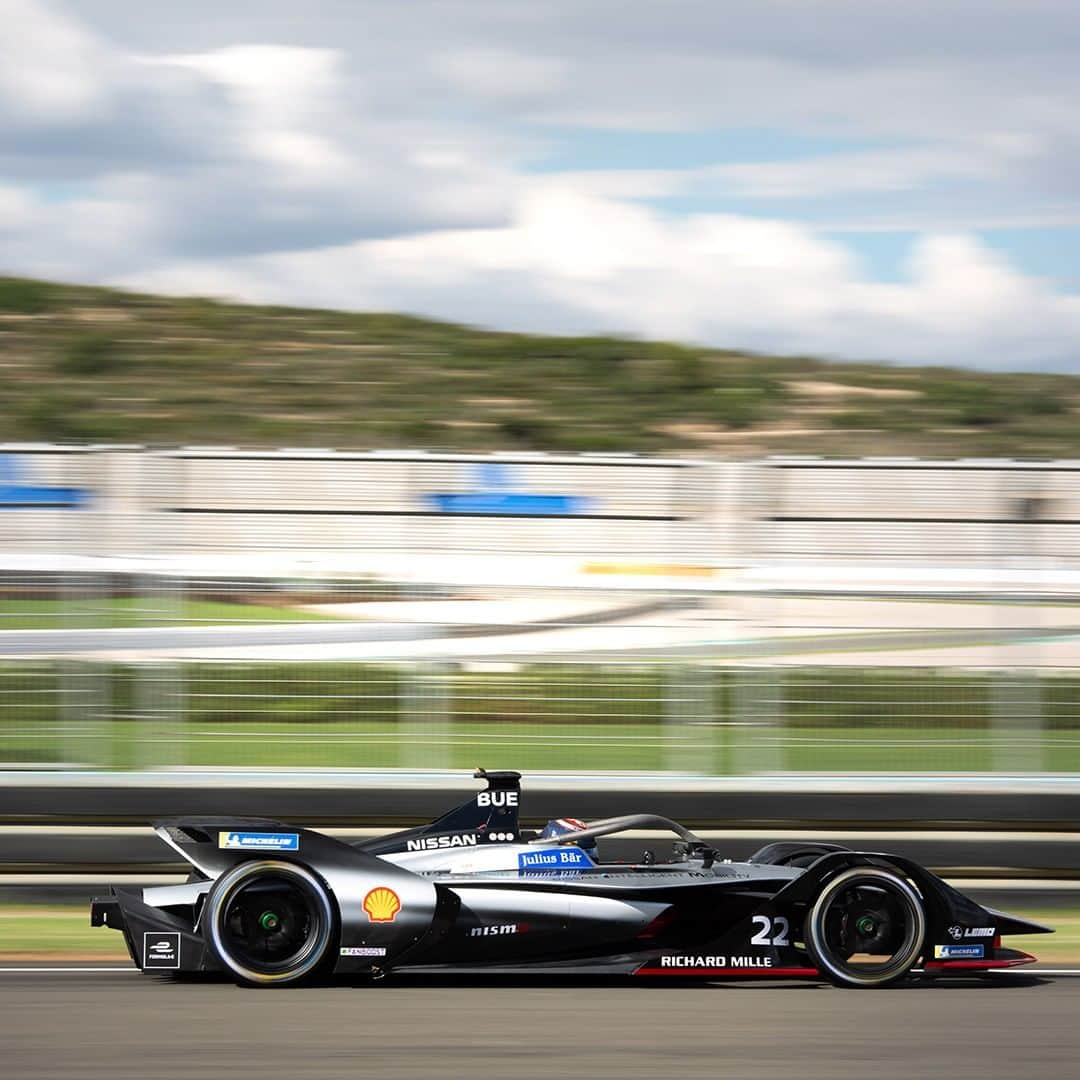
(835, 174)
(500, 74)
(16, 206)
(583, 264)
(379, 155)
(285, 98)
(97, 235)
(51, 68)
(823, 176)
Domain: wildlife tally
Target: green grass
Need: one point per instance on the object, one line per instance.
(80, 363)
(140, 611)
(458, 744)
(56, 931)
(1063, 946)
(63, 931)
(650, 747)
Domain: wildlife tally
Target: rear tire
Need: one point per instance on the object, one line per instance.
(270, 923)
(866, 928)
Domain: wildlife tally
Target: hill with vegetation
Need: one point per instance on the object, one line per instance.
(81, 363)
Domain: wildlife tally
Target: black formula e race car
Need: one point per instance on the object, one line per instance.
(268, 904)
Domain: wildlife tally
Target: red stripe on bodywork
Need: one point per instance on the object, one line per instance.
(976, 965)
(788, 973)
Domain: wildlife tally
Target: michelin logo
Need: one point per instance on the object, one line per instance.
(258, 841)
(958, 952)
(567, 858)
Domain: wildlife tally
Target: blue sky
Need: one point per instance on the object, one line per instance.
(883, 243)
(856, 180)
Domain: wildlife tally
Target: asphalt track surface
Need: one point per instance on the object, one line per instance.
(65, 642)
(444, 641)
(122, 1024)
(166, 639)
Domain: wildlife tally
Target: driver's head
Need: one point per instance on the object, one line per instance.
(562, 826)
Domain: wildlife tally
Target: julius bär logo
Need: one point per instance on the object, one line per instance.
(382, 904)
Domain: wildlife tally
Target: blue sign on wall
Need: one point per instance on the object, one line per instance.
(17, 494)
(494, 494)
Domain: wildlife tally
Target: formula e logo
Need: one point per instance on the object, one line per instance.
(434, 843)
(258, 841)
(497, 798)
(161, 951)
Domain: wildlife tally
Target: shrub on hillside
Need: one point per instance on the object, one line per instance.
(90, 354)
(54, 416)
(24, 297)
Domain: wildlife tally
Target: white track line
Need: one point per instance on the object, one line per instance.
(92, 880)
(1059, 972)
(69, 971)
(1074, 972)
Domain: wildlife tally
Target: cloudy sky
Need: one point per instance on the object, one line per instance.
(852, 178)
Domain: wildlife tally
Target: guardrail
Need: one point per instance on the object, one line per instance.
(97, 823)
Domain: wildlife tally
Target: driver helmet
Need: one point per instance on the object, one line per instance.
(562, 826)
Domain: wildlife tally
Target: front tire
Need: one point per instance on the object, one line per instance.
(270, 923)
(866, 928)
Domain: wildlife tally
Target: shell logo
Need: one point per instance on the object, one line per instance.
(382, 904)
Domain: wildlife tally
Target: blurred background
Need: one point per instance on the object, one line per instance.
(425, 609)
(677, 403)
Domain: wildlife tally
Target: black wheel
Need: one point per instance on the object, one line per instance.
(866, 928)
(270, 923)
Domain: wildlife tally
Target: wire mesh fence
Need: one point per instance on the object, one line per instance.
(695, 718)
